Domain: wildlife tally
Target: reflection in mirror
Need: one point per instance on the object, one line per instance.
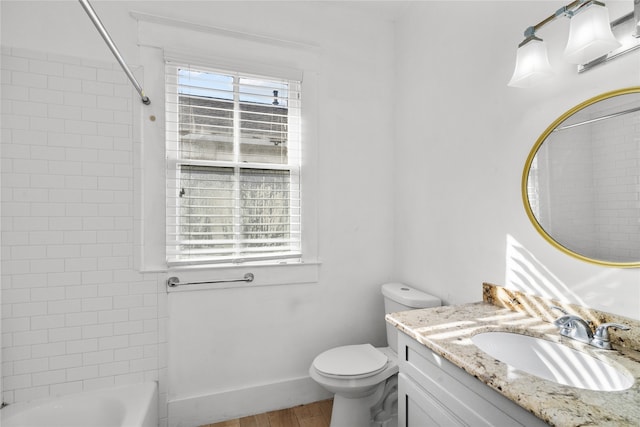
(581, 183)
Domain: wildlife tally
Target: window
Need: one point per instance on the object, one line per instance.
(233, 167)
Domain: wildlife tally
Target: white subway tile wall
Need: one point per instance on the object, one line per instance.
(76, 315)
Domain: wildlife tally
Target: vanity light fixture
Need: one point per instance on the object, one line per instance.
(591, 41)
(590, 34)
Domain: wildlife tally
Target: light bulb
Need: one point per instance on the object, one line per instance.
(532, 64)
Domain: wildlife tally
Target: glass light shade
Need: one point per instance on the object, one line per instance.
(590, 35)
(532, 64)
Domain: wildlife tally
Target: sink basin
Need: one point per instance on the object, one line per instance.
(552, 361)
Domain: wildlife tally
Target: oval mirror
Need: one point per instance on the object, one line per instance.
(581, 181)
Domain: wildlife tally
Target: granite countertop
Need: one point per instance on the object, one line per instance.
(448, 330)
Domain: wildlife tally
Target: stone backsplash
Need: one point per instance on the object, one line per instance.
(539, 307)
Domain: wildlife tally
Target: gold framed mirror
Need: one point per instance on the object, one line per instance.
(581, 180)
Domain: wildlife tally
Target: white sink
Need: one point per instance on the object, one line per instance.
(552, 361)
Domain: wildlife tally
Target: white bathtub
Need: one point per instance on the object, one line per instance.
(127, 406)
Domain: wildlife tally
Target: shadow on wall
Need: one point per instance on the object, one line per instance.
(524, 272)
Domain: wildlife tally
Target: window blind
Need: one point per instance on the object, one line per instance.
(233, 166)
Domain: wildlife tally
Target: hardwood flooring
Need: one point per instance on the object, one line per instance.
(317, 414)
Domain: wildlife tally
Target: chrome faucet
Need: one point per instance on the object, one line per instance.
(573, 327)
(576, 328)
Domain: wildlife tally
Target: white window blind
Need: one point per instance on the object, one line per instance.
(233, 167)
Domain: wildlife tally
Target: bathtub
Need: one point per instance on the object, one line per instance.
(127, 406)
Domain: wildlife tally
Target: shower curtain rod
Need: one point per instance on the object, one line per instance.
(597, 119)
(105, 35)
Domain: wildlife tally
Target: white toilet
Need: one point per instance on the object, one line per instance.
(362, 377)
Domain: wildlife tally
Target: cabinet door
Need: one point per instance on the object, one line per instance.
(420, 408)
(448, 391)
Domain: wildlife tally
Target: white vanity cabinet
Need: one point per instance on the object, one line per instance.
(434, 392)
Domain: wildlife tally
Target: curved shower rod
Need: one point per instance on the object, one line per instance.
(105, 35)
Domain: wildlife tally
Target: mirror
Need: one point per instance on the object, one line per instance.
(581, 181)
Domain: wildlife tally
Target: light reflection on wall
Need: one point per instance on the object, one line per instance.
(613, 290)
(525, 273)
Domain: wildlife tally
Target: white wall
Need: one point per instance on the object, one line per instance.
(228, 340)
(462, 140)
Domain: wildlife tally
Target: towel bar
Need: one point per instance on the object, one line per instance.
(172, 282)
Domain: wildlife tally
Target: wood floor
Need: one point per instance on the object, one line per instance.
(317, 414)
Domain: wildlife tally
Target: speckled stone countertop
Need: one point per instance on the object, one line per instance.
(448, 330)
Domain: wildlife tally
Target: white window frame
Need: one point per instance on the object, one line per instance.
(161, 41)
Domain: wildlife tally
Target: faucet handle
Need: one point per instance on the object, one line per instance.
(565, 320)
(601, 336)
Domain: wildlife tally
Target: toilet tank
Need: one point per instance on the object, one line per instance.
(400, 297)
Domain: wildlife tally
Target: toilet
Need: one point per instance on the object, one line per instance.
(362, 377)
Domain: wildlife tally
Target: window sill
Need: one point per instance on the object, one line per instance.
(264, 275)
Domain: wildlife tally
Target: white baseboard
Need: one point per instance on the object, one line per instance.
(225, 405)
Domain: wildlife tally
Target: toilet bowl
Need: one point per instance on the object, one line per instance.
(358, 383)
(363, 369)
(362, 377)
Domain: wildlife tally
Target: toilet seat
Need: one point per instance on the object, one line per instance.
(351, 361)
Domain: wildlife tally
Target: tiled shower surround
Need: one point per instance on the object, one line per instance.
(76, 314)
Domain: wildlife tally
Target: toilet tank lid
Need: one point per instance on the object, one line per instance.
(406, 295)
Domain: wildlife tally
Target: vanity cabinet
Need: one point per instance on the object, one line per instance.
(434, 392)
